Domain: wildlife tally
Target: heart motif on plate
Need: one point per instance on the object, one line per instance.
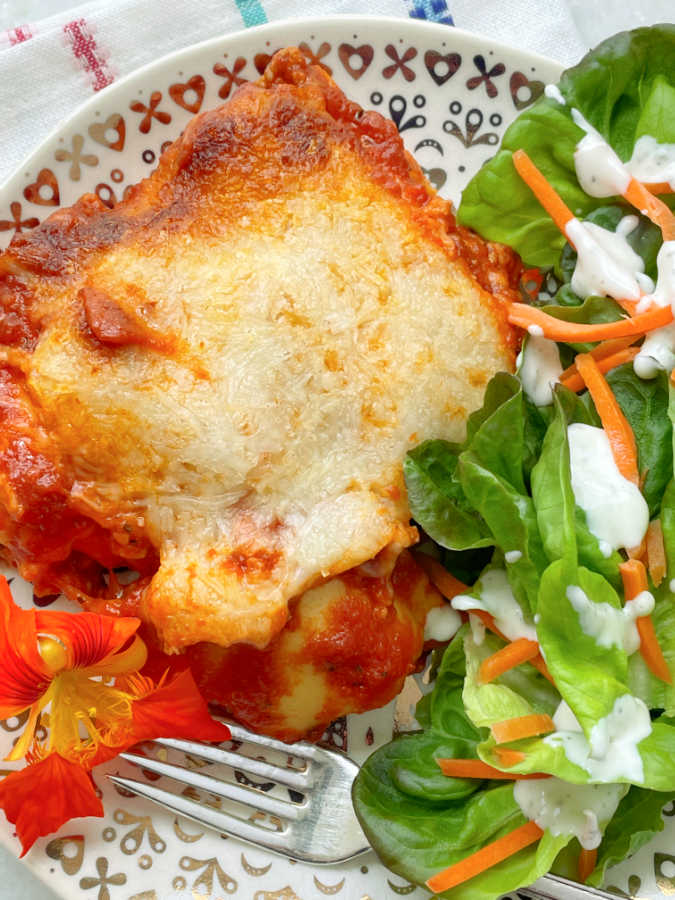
(44, 190)
(532, 90)
(347, 53)
(69, 851)
(195, 85)
(441, 66)
(436, 176)
(99, 132)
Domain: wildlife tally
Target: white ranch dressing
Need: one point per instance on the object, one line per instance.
(619, 271)
(606, 263)
(616, 512)
(535, 330)
(612, 751)
(607, 625)
(651, 162)
(496, 597)
(552, 91)
(605, 549)
(657, 352)
(564, 718)
(477, 630)
(540, 369)
(512, 556)
(442, 623)
(664, 293)
(581, 810)
(599, 170)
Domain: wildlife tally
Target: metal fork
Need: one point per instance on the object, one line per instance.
(315, 824)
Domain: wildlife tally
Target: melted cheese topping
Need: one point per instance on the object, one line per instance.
(238, 359)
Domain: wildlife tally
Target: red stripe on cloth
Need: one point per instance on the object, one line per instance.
(88, 54)
(19, 34)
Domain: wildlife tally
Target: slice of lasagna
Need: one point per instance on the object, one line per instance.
(216, 382)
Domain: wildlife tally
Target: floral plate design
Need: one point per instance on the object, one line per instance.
(451, 95)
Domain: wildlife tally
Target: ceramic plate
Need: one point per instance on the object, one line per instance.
(451, 95)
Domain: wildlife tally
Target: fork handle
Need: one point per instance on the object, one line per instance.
(551, 887)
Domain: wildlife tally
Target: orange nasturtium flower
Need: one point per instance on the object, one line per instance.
(77, 674)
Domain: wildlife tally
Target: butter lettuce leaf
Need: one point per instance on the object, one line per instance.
(437, 499)
(589, 674)
(562, 524)
(418, 825)
(520, 692)
(625, 89)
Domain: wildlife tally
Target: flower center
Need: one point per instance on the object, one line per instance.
(53, 653)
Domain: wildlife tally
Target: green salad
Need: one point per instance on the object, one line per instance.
(548, 740)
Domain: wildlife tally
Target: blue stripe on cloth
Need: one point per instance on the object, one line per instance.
(251, 12)
(432, 10)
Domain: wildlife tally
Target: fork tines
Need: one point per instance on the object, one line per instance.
(289, 826)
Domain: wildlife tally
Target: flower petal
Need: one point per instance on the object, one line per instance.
(88, 637)
(39, 798)
(23, 674)
(176, 709)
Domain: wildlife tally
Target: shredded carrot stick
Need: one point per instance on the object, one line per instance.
(575, 382)
(508, 657)
(574, 332)
(587, 861)
(542, 190)
(630, 306)
(650, 206)
(617, 428)
(659, 187)
(539, 664)
(521, 727)
(446, 583)
(474, 768)
(609, 348)
(488, 620)
(656, 552)
(638, 552)
(508, 758)
(485, 858)
(650, 649)
(634, 577)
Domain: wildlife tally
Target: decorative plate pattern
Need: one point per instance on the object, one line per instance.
(451, 95)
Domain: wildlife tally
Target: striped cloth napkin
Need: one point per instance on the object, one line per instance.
(48, 68)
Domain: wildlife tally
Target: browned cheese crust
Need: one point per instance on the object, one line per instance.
(216, 382)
